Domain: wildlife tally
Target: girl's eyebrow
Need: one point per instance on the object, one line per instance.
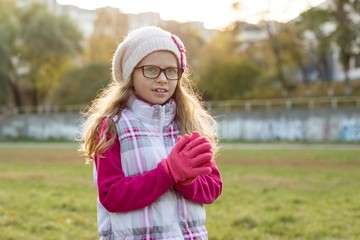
(162, 66)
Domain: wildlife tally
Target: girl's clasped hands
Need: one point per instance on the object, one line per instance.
(190, 157)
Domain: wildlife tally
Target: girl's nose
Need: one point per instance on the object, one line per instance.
(162, 78)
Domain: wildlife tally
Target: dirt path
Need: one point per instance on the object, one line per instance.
(296, 146)
(37, 145)
(263, 146)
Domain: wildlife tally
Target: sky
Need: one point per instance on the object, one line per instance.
(215, 14)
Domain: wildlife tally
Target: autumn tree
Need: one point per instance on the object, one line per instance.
(293, 52)
(4, 90)
(314, 22)
(223, 74)
(192, 38)
(71, 89)
(9, 29)
(35, 48)
(345, 13)
(110, 26)
(336, 24)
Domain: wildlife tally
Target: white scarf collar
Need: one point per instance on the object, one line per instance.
(152, 114)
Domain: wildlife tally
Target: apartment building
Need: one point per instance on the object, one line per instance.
(85, 18)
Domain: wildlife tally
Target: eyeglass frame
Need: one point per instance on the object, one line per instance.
(161, 70)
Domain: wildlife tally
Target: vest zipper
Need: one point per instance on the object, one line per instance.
(161, 125)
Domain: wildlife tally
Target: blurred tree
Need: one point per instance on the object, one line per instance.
(9, 29)
(4, 90)
(223, 75)
(35, 49)
(314, 21)
(109, 26)
(276, 45)
(261, 55)
(280, 50)
(71, 88)
(346, 14)
(253, 50)
(229, 79)
(192, 38)
(291, 40)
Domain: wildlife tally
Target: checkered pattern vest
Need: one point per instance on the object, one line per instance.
(147, 134)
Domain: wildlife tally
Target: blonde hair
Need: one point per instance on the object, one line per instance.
(190, 114)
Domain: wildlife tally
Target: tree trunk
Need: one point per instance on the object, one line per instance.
(13, 80)
(324, 69)
(277, 53)
(304, 74)
(34, 97)
(347, 86)
(15, 91)
(346, 65)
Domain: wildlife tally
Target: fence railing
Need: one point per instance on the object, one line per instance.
(6, 112)
(229, 105)
(285, 104)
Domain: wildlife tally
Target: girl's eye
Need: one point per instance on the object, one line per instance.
(152, 69)
(171, 70)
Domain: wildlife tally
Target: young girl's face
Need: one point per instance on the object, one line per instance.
(156, 90)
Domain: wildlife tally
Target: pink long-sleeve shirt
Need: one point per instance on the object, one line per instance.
(118, 193)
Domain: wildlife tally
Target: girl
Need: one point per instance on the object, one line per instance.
(153, 144)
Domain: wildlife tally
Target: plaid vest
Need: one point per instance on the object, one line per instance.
(147, 134)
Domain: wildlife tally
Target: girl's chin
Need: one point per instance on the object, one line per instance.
(155, 101)
(155, 98)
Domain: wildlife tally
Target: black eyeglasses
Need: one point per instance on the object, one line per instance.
(152, 72)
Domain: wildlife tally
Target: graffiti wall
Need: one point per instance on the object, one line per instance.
(291, 125)
(287, 125)
(41, 126)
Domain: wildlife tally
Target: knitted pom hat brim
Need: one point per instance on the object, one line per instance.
(140, 43)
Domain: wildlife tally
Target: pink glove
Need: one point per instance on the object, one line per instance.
(191, 180)
(190, 157)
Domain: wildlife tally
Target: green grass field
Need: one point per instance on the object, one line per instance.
(47, 192)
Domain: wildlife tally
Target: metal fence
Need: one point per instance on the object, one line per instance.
(285, 104)
(229, 105)
(7, 112)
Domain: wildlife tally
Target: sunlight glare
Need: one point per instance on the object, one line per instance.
(214, 14)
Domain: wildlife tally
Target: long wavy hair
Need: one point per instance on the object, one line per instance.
(191, 115)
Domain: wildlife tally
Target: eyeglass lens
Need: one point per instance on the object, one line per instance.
(172, 73)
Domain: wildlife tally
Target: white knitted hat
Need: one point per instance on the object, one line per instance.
(140, 43)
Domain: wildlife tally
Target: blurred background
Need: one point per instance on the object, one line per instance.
(269, 70)
(281, 77)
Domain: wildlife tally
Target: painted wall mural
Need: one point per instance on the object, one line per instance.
(286, 125)
(308, 125)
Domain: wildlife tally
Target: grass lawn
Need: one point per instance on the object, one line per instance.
(47, 192)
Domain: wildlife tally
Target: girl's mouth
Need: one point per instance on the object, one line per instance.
(159, 90)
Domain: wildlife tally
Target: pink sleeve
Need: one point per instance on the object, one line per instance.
(118, 193)
(205, 189)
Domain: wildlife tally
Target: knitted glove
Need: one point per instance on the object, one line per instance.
(190, 157)
(191, 180)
